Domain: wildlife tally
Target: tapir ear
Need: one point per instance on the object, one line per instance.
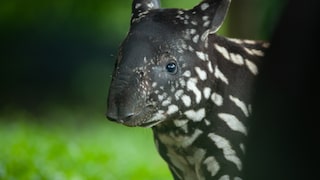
(141, 6)
(212, 12)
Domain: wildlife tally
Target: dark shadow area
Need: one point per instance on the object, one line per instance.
(283, 142)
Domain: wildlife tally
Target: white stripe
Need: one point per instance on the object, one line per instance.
(223, 51)
(254, 52)
(243, 148)
(191, 85)
(238, 41)
(218, 74)
(228, 152)
(240, 104)
(247, 41)
(201, 73)
(236, 59)
(201, 55)
(210, 67)
(252, 67)
(233, 122)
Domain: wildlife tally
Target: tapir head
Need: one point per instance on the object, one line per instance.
(155, 64)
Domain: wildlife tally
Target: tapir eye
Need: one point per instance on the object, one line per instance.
(172, 67)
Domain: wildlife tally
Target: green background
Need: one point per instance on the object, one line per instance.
(56, 63)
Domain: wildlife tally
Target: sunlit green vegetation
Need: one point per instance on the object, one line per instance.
(76, 146)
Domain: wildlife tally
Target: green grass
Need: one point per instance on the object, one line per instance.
(75, 147)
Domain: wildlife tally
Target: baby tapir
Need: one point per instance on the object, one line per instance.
(192, 87)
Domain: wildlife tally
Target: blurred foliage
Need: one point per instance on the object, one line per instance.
(79, 147)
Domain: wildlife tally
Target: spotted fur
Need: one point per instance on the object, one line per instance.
(193, 87)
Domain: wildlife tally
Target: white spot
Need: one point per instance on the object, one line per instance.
(252, 67)
(186, 100)
(178, 94)
(172, 109)
(182, 44)
(218, 74)
(233, 122)
(201, 73)
(224, 177)
(180, 122)
(207, 122)
(182, 82)
(166, 102)
(217, 99)
(201, 55)
(228, 152)
(204, 6)
(236, 59)
(154, 84)
(207, 92)
(173, 89)
(240, 104)
(194, 23)
(195, 38)
(206, 23)
(137, 5)
(180, 12)
(205, 35)
(212, 165)
(223, 51)
(187, 74)
(196, 115)
(190, 48)
(160, 97)
(150, 5)
(205, 18)
(191, 85)
(193, 31)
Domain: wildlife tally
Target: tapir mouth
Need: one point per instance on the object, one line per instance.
(142, 118)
